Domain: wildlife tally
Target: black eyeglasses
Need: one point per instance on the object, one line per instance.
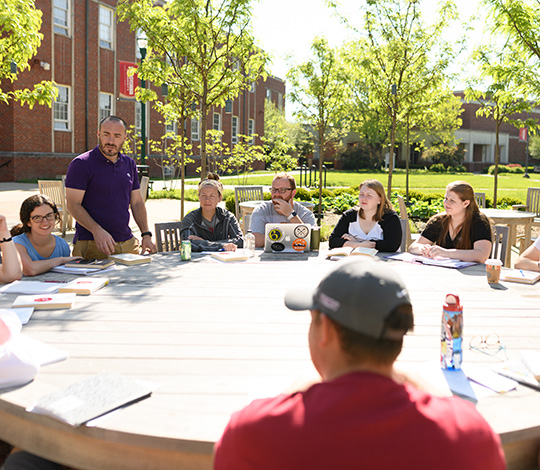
(39, 218)
(490, 344)
(280, 190)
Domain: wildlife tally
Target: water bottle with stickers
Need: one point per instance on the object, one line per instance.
(249, 244)
(452, 333)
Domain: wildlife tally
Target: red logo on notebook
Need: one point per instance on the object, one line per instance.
(43, 299)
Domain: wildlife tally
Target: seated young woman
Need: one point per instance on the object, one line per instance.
(461, 232)
(11, 267)
(211, 228)
(374, 225)
(530, 258)
(39, 249)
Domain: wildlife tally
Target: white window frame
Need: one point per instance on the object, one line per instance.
(216, 122)
(106, 105)
(62, 109)
(62, 26)
(106, 27)
(195, 130)
(251, 128)
(234, 130)
(252, 87)
(170, 127)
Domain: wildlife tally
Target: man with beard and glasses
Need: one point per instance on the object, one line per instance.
(101, 185)
(281, 209)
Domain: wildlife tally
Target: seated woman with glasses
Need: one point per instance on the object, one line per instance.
(374, 224)
(211, 228)
(461, 232)
(39, 249)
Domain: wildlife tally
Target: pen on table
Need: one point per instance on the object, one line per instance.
(521, 272)
(57, 282)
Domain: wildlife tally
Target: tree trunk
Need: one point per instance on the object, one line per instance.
(497, 156)
(204, 125)
(321, 160)
(182, 166)
(391, 156)
(407, 156)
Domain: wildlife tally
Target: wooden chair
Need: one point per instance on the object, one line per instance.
(144, 187)
(480, 199)
(57, 192)
(500, 243)
(246, 193)
(168, 236)
(404, 216)
(532, 205)
(405, 235)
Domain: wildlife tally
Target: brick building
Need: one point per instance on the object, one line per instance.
(477, 136)
(81, 50)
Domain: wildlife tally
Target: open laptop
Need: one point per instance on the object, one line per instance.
(287, 238)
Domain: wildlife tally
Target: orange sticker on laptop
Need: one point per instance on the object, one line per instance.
(299, 244)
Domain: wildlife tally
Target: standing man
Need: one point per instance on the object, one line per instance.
(361, 415)
(101, 185)
(281, 209)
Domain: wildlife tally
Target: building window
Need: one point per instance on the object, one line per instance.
(217, 121)
(195, 126)
(61, 109)
(251, 128)
(61, 17)
(170, 127)
(105, 27)
(234, 130)
(252, 87)
(280, 101)
(138, 110)
(105, 105)
(269, 95)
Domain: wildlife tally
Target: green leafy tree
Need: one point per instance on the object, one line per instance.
(242, 157)
(279, 139)
(20, 23)
(317, 86)
(534, 146)
(206, 47)
(500, 101)
(401, 62)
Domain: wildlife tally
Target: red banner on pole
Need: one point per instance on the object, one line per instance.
(523, 134)
(128, 82)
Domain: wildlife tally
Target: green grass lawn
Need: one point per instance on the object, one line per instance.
(513, 185)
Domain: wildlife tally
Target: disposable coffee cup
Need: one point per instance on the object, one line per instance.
(493, 270)
(315, 238)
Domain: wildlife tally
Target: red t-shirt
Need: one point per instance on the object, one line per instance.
(359, 421)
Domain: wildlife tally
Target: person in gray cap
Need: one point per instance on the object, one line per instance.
(360, 416)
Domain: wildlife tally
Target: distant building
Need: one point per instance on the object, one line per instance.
(82, 53)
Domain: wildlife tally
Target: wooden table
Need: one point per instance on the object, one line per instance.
(216, 335)
(512, 219)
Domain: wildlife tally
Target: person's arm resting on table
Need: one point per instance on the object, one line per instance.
(139, 214)
(529, 259)
(479, 253)
(104, 240)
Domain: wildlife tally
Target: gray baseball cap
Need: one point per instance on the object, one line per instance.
(357, 294)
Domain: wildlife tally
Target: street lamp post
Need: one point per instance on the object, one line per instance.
(142, 43)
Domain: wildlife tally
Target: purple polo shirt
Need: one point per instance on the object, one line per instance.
(107, 189)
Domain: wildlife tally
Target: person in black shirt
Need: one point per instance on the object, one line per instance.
(461, 232)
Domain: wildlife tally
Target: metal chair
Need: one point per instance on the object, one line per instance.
(243, 194)
(57, 192)
(168, 236)
(480, 199)
(499, 249)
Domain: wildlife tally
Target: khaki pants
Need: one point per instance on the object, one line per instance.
(88, 249)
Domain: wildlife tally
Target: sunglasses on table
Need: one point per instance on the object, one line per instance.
(490, 344)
